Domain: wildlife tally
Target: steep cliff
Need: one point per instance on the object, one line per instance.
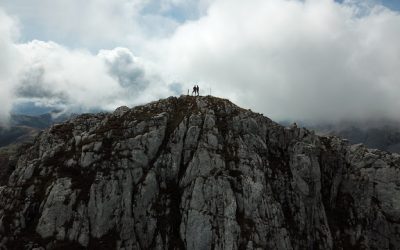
(197, 173)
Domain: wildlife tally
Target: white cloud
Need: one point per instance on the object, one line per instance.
(290, 59)
(99, 24)
(64, 76)
(78, 80)
(9, 63)
(76, 23)
(50, 74)
(312, 59)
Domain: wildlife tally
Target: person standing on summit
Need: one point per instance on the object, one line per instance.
(194, 90)
(197, 90)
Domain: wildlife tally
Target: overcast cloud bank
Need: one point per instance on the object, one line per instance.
(315, 60)
(73, 80)
(9, 64)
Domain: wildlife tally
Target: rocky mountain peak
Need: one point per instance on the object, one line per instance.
(197, 173)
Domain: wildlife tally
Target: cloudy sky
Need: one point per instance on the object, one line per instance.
(312, 60)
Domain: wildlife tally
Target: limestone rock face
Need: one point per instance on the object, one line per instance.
(197, 173)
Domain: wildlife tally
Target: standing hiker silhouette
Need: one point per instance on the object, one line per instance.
(197, 90)
(194, 90)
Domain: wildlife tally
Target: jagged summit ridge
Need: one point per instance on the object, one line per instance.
(197, 173)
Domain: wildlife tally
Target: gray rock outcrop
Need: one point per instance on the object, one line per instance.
(197, 173)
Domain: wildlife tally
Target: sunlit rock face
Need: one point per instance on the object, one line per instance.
(196, 173)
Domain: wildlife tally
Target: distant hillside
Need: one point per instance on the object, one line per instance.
(16, 134)
(24, 127)
(34, 121)
(383, 136)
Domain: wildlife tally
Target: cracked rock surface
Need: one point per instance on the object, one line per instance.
(197, 173)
